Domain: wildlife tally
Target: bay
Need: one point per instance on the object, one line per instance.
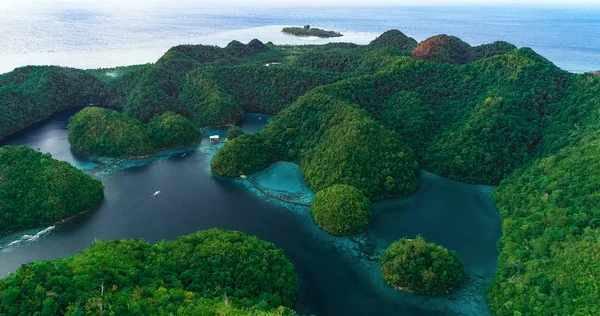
(337, 275)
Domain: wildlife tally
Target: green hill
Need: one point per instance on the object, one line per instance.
(108, 133)
(37, 191)
(370, 116)
(211, 272)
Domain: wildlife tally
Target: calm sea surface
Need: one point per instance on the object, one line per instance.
(91, 37)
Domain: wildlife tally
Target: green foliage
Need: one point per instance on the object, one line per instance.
(418, 266)
(395, 39)
(206, 273)
(407, 113)
(207, 100)
(243, 155)
(341, 210)
(334, 143)
(257, 46)
(574, 116)
(108, 133)
(329, 59)
(444, 49)
(550, 251)
(497, 138)
(31, 94)
(155, 92)
(311, 31)
(184, 58)
(260, 89)
(357, 114)
(118, 82)
(492, 49)
(170, 130)
(36, 190)
(234, 131)
(474, 122)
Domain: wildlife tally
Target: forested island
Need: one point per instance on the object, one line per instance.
(37, 190)
(310, 31)
(109, 133)
(369, 117)
(414, 265)
(227, 273)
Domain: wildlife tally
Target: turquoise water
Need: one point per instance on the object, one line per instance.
(458, 216)
(337, 275)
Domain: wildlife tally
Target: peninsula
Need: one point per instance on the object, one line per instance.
(37, 190)
(187, 276)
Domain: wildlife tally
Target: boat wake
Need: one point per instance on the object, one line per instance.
(27, 238)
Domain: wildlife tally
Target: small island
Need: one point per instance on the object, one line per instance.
(108, 133)
(37, 190)
(414, 265)
(341, 210)
(310, 31)
(210, 272)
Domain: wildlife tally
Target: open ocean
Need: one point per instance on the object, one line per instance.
(92, 37)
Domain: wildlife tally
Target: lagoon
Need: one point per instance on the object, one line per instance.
(338, 275)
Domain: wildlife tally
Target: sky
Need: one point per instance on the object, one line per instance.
(137, 3)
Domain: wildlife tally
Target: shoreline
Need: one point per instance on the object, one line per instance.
(317, 36)
(93, 157)
(61, 221)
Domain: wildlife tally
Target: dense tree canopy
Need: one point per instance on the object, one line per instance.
(418, 266)
(341, 210)
(37, 191)
(445, 49)
(395, 39)
(31, 94)
(310, 31)
(108, 133)
(366, 116)
(234, 131)
(192, 275)
(492, 49)
(243, 155)
(170, 130)
(334, 142)
(550, 250)
(103, 132)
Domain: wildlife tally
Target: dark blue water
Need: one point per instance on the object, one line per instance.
(338, 276)
(86, 36)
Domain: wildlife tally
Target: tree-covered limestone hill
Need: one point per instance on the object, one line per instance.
(211, 272)
(415, 265)
(37, 191)
(369, 115)
(550, 251)
(33, 93)
(395, 39)
(104, 132)
(341, 210)
(334, 142)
